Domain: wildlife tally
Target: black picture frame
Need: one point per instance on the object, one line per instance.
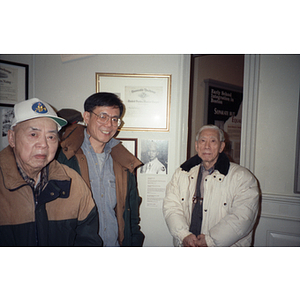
(14, 81)
(130, 144)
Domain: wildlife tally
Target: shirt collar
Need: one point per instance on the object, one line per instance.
(108, 146)
(35, 186)
(209, 170)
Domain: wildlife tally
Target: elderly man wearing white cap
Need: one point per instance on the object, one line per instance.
(42, 203)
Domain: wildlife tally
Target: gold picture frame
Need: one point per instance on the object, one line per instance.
(147, 99)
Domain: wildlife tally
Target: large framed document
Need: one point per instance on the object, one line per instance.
(13, 82)
(146, 98)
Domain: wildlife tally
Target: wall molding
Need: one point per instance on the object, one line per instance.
(281, 207)
(250, 103)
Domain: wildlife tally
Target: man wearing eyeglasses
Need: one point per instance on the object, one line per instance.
(107, 167)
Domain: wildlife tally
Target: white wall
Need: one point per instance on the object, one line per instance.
(275, 150)
(278, 101)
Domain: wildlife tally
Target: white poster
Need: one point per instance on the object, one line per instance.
(156, 189)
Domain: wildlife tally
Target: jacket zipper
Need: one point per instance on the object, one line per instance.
(36, 229)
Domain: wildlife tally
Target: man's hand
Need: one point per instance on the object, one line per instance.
(201, 241)
(190, 241)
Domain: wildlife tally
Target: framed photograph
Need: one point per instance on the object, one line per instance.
(129, 144)
(6, 117)
(146, 98)
(13, 82)
(154, 155)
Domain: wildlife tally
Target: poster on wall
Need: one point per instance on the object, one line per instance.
(224, 109)
(155, 191)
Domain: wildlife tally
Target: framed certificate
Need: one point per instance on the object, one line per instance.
(146, 98)
(13, 82)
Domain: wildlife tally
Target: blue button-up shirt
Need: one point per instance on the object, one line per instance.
(103, 185)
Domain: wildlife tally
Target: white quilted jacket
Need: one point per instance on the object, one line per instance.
(230, 206)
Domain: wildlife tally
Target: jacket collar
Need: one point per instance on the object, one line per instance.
(12, 178)
(222, 164)
(127, 160)
(73, 139)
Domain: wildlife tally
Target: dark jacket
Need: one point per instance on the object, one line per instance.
(124, 164)
(65, 214)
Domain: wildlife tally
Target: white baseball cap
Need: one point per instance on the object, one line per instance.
(35, 108)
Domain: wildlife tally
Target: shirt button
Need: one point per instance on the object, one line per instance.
(51, 194)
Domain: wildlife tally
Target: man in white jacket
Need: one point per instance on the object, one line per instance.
(209, 200)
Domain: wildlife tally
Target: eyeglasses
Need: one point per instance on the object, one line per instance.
(104, 117)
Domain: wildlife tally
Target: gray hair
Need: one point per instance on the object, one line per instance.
(221, 133)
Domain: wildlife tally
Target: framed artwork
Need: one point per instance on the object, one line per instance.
(154, 155)
(129, 144)
(6, 117)
(146, 98)
(13, 82)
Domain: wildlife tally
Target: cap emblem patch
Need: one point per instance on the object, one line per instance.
(39, 108)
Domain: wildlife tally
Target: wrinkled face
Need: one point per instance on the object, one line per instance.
(101, 133)
(209, 146)
(34, 143)
(152, 152)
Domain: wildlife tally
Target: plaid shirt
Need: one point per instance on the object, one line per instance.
(37, 188)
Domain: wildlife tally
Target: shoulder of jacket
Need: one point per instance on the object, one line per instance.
(190, 173)
(240, 172)
(58, 171)
(125, 158)
(72, 139)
